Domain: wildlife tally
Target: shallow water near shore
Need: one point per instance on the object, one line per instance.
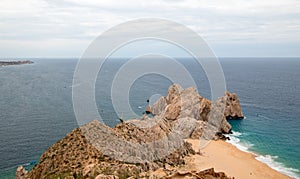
(36, 106)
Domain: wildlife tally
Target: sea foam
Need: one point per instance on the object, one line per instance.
(267, 159)
(271, 162)
(234, 140)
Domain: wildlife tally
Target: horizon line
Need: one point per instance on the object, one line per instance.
(57, 57)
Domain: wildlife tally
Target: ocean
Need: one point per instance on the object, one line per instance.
(36, 107)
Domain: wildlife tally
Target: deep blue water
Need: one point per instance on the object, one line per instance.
(36, 106)
(269, 93)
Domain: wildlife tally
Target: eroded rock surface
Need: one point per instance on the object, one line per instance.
(233, 108)
(75, 157)
(210, 116)
(136, 148)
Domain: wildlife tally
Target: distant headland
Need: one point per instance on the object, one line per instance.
(20, 62)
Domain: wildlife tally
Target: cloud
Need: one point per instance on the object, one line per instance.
(218, 21)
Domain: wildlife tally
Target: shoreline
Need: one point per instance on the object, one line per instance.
(267, 159)
(227, 158)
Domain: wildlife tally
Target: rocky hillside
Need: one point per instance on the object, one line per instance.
(147, 147)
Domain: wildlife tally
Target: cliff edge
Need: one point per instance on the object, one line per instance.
(141, 148)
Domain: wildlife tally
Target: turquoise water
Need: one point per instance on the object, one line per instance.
(36, 106)
(266, 144)
(269, 93)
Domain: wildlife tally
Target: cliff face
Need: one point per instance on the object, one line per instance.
(136, 148)
(75, 157)
(181, 103)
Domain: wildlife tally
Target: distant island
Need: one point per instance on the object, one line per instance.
(21, 62)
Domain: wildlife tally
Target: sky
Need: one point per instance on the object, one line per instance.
(232, 28)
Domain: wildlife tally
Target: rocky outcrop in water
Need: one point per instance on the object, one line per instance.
(233, 107)
(21, 173)
(181, 103)
(140, 147)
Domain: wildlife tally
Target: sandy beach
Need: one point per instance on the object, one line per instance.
(224, 157)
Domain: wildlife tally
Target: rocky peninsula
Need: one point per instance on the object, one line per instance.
(171, 143)
(7, 63)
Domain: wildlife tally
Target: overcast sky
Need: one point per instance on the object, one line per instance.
(232, 28)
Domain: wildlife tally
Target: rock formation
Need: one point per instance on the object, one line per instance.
(180, 103)
(21, 173)
(148, 110)
(170, 174)
(75, 157)
(209, 173)
(233, 108)
(141, 148)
